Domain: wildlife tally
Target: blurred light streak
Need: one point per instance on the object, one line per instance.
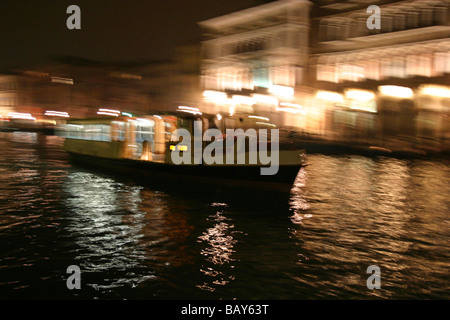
(265, 99)
(21, 116)
(260, 118)
(396, 91)
(238, 99)
(359, 95)
(282, 90)
(329, 96)
(57, 114)
(436, 91)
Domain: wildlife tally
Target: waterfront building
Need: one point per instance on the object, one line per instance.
(317, 66)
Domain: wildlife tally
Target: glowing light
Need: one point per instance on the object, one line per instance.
(127, 114)
(281, 90)
(260, 118)
(266, 124)
(329, 96)
(191, 110)
(172, 148)
(21, 116)
(265, 99)
(53, 122)
(211, 94)
(289, 110)
(145, 121)
(182, 148)
(396, 92)
(244, 100)
(436, 91)
(291, 105)
(56, 114)
(156, 116)
(108, 113)
(232, 109)
(219, 117)
(359, 95)
(62, 80)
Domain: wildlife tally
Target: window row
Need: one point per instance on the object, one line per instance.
(425, 65)
(341, 28)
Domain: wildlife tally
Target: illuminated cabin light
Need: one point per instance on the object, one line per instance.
(396, 92)
(435, 91)
(281, 90)
(182, 148)
(291, 105)
(329, 96)
(265, 99)
(289, 110)
(110, 111)
(21, 116)
(214, 94)
(62, 80)
(188, 108)
(219, 117)
(244, 100)
(191, 110)
(56, 114)
(362, 95)
(259, 118)
(266, 124)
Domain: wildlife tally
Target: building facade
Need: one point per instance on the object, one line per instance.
(319, 67)
(253, 59)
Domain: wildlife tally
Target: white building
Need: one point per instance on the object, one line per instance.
(255, 58)
(320, 63)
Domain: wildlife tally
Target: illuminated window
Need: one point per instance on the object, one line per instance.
(442, 62)
(419, 65)
(393, 67)
(350, 72)
(327, 73)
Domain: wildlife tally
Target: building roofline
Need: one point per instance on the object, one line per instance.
(246, 14)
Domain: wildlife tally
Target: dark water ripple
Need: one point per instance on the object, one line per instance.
(132, 241)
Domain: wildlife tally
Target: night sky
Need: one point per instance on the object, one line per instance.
(111, 30)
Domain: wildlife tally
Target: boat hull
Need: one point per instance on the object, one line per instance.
(226, 177)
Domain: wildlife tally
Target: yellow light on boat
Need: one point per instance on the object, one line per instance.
(258, 117)
(265, 99)
(435, 91)
(396, 92)
(182, 148)
(211, 94)
(172, 148)
(361, 95)
(329, 96)
(281, 91)
(238, 99)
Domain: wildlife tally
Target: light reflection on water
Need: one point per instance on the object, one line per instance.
(130, 241)
(219, 250)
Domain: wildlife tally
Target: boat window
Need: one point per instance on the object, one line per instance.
(118, 131)
(145, 130)
(94, 132)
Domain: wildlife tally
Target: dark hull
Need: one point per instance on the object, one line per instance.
(197, 176)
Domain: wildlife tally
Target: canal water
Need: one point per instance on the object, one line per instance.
(134, 241)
